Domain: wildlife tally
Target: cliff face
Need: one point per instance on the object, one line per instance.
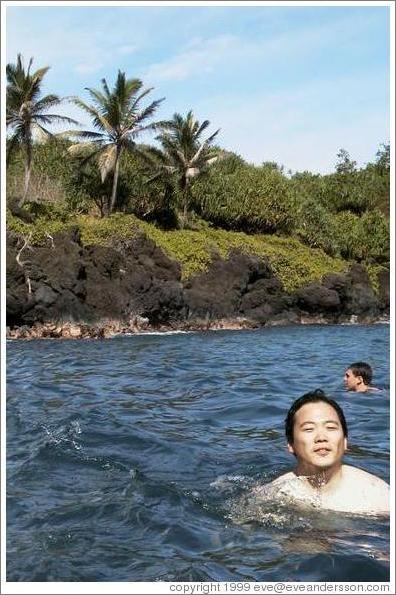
(135, 284)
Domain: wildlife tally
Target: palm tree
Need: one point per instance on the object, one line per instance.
(120, 119)
(183, 155)
(26, 113)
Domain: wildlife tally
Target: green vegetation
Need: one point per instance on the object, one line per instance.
(294, 263)
(243, 197)
(182, 157)
(27, 113)
(190, 197)
(120, 120)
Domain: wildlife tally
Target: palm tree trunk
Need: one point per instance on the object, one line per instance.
(168, 196)
(186, 200)
(28, 169)
(184, 190)
(115, 182)
(185, 206)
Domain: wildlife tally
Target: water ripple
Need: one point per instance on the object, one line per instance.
(134, 459)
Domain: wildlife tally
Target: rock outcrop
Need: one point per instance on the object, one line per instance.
(65, 289)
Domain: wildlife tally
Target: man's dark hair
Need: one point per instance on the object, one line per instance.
(362, 369)
(315, 396)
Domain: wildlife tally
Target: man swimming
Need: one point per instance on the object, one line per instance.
(317, 432)
(358, 377)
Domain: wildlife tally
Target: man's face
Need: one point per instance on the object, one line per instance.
(352, 382)
(319, 441)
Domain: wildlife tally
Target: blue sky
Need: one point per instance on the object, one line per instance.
(285, 84)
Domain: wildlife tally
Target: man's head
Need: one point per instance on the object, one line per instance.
(358, 377)
(316, 432)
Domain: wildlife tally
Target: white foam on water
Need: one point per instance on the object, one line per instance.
(144, 333)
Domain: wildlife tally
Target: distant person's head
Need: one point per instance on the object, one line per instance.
(316, 432)
(358, 377)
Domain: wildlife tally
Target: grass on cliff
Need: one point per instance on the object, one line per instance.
(294, 263)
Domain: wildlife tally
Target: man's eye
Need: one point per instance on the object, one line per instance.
(332, 427)
(308, 429)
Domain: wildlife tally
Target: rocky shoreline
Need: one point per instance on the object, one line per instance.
(66, 290)
(108, 329)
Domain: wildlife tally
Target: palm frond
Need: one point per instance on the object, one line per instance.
(84, 134)
(41, 133)
(98, 120)
(52, 118)
(107, 161)
(80, 148)
(131, 88)
(136, 131)
(211, 138)
(143, 94)
(105, 88)
(148, 111)
(45, 103)
(202, 127)
(39, 74)
(203, 148)
(99, 99)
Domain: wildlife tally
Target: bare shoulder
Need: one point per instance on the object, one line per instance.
(356, 474)
(364, 492)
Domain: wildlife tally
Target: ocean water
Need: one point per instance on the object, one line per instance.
(134, 458)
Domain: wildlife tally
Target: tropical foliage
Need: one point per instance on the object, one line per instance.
(119, 119)
(185, 180)
(243, 197)
(27, 116)
(183, 156)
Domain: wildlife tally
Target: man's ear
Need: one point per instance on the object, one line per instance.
(290, 448)
(345, 444)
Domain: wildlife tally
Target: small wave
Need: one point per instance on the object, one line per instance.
(274, 514)
(63, 443)
(157, 333)
(231, 483)
(65, 434)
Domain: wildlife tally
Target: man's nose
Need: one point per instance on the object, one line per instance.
(321, 435)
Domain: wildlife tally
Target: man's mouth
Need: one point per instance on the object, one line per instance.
(322, 451)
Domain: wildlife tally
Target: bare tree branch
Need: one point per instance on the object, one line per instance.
(51, 238)
(23, 264)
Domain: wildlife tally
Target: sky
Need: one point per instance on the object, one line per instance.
(290, 84)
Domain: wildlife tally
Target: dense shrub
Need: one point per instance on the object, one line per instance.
(347, 236)
(244, 197)
(349, 192)
(345, 213)
(314, 225)
(374, 236)
(364, 238)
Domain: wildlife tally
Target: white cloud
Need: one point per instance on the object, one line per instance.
(126, 49)
(201, 56)
(83, 48)
(230, 52)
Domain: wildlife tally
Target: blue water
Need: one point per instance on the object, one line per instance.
(133, 459)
